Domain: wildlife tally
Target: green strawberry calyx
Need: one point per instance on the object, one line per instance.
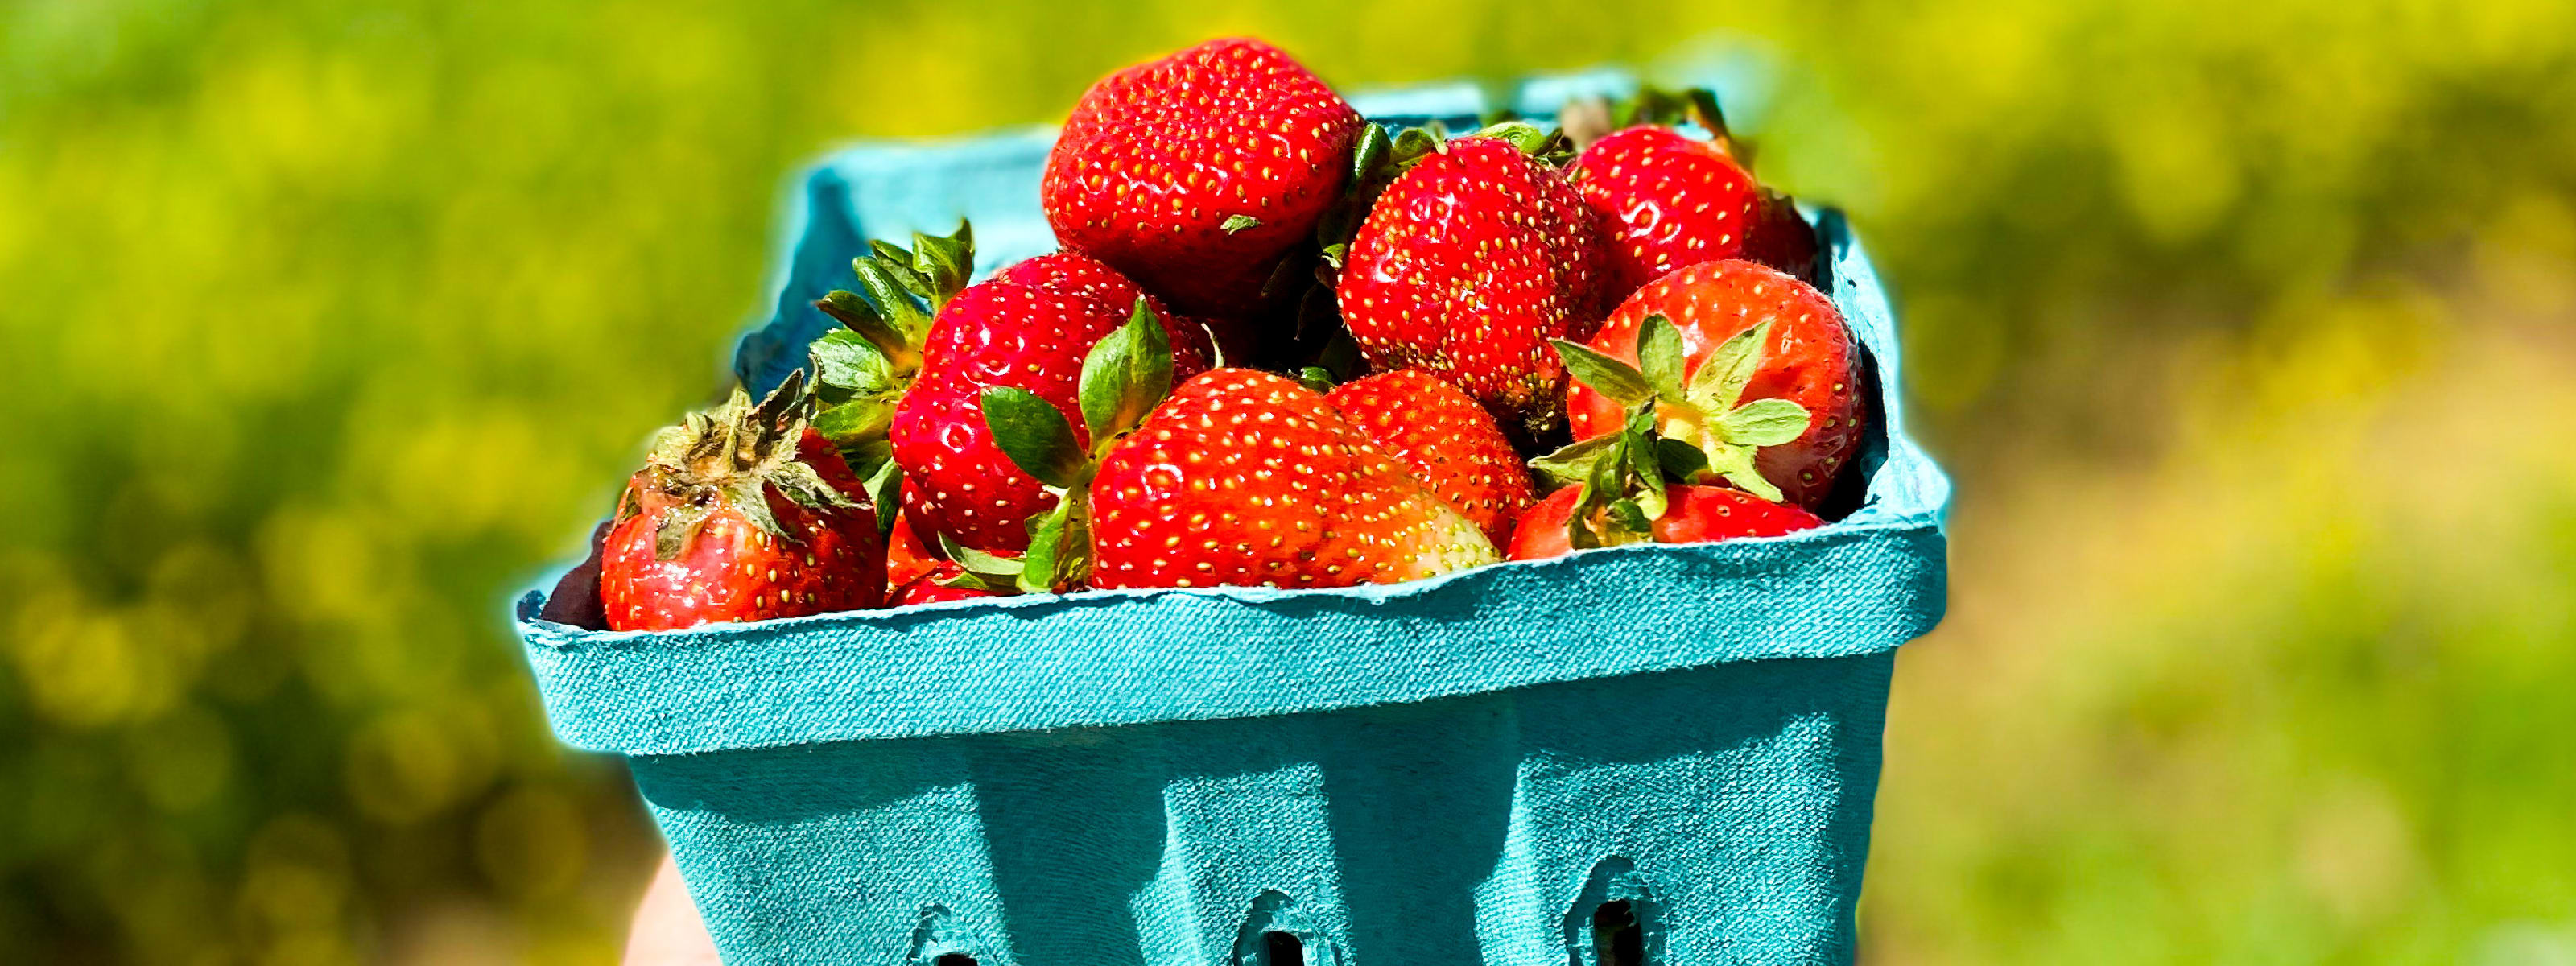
(1124, 376)
(733, 455)
(1694, 429)
(862, 369)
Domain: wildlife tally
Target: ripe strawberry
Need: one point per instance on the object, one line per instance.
(1693, 514)
(1026, 327)
(907, 557)
(1445, 439)
(1246, 478)
(731, 521)
(1668, 200)
(1196, 173)
(1467, 265)
(934, 585)
(1805, 356)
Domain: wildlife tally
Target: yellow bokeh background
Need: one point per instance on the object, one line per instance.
(2246, 329)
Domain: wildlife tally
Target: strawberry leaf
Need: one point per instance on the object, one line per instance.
(888, 290)
(1660, 356)
(1370, 151)
(1764, 422)
(1734, 464)
(945, 262)
(1571, 465)
(1722, 376)
(1681, 461)
(679, 525)
(884, 481)
(1316, 379)
(1059, 547)
(1632, 516)
(1607, 376)
(978, 562)
(1523, 136)
(1236, 223)
(1126, 373)
(871, 329)
(1034, 435)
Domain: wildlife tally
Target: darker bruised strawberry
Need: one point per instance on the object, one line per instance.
(1694, 514)
(730, 521)
(1196, 173)
(930, 587)
(1667, 200)
(1467, 265)
(1248, 479)
(1811, 360)
(1028, 326)
(1449, 442)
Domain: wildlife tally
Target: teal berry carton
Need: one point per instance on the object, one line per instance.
(1653, 753)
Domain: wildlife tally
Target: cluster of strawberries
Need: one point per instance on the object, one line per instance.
(1155, 406)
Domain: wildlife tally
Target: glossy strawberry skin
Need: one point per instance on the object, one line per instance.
(1156, 158)
(927, 589)
(1467, 265)
(1666, 200)
(1446, 440)
(1696, 514)
(1248, 479)
(829, 561)
(1028, 326)
(1811, 361)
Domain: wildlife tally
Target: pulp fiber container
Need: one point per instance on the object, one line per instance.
(1661, 754)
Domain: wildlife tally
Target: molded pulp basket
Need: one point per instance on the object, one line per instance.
(1457, 770)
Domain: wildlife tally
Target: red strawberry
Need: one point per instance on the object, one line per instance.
(907, 557)
(932, 586)
(1027, 327)
(1467, 265)
(1668, 200)
(1808, 358)
(1693, 514)
(1196, 173)
(730, 521)
(1246, 478)
(1448, 442)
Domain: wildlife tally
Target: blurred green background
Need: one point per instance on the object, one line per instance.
(2245, 327)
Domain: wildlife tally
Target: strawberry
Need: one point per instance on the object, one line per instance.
(940, 583)
(1246, 478)
(1694, 514)
(731, 521)
(907, 556)
(1195, 174)
(1468, 263)
(1773, 338)
(1643, 480)
(1668, 200)
(1445, 439)
(1027, 327)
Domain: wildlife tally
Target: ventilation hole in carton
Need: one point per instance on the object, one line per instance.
(1282, 949)
(1617, 938)
(954, 959)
